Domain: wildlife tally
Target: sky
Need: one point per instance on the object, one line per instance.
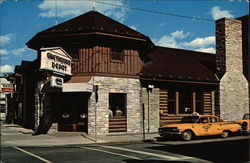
(182, 24)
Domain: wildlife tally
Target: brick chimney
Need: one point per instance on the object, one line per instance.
(233, 88)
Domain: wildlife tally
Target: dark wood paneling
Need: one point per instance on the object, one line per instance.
(207, 103)
(98, 60)
(117, 124)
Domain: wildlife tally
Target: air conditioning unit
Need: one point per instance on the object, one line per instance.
(56, 82)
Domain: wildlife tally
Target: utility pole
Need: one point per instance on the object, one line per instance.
(56, 12)
(93, 5)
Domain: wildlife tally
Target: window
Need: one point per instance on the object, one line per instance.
(204, 120)
(185, 99)
(199, 102)
(213, 119)
(117, 104)
(171, 102)
(117, 55)
(185, 102)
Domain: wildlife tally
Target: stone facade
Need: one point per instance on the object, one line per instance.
(233, 91)
(153, 119)
(108, 85)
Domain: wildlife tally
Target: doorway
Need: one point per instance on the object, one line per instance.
(72, 111)
(117, 112)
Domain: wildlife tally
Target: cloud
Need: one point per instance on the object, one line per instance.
(171, 40)
(200, 42)
(3, 51)
(16, 52)
(19, 51)
(6, 39)
(217, 13)
(74, 8)
(6, 69)
(133, 27)
(206, 50)
(177, 40)
(179, 34)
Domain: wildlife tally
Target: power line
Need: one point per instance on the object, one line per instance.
(56, 22)
(155, 12)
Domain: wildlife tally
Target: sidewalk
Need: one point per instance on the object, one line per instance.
(14, 135)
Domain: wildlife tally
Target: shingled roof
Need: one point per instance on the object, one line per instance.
(89, 23)
(177, 64)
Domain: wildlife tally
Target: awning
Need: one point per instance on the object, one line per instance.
(77, 87)
(75, 84)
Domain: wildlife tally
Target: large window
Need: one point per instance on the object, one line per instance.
(117, 104)
(185, 102)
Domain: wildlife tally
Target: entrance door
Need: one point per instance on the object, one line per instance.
(73, 111)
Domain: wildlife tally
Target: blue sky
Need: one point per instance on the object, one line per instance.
(22, 19)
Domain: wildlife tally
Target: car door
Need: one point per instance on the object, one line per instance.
(204, 126)
(214, 126)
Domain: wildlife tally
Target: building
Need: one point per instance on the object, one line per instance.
(95, 75)
(6, 90)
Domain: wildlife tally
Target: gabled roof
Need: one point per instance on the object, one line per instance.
(177, 64)
(89, 23)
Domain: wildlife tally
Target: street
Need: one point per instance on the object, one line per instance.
(235, 149)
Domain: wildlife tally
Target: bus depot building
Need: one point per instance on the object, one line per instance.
(95, 75)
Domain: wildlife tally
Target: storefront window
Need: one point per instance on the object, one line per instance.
(185, 102)
(117, 104)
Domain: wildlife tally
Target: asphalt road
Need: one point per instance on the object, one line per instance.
(235, 149)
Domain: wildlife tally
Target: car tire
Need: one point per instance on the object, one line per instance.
(187, 135)
(225, 134)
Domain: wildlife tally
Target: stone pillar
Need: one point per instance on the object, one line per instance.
(153, 118)
(233, 89)
(108, 85)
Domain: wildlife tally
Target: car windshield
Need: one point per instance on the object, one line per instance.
(190, 119)
(246, 116)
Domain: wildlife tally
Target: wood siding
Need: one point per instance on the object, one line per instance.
(166, 118)
(117, 124)
(207, 103)
(98, 60)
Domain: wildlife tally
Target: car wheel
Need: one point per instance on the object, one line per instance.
(187, 135)
(225, 134)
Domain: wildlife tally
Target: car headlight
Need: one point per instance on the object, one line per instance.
(175, 129)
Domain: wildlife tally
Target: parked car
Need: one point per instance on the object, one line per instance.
(199, 125)
(245, 123)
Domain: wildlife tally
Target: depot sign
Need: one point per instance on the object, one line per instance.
(55, 59)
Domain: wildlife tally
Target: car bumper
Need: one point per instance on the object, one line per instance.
(164, 134)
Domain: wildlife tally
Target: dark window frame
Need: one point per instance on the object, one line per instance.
(117, 55)
(115, 104)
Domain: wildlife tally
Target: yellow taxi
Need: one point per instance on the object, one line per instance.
(199, 125)
(245, 123)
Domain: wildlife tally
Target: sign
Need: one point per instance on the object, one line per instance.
(7, 90)
(55, 59)
(56, 82)
(6, 87)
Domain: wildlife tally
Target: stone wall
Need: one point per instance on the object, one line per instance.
(233, 89)
(153, 119)
(108, 85)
